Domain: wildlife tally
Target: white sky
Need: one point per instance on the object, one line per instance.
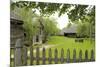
(62, 20)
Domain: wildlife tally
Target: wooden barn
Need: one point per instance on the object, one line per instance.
(17, 31)
(16, 28)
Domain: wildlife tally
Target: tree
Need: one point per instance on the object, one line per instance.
(32, 22)
(50, 27)
(83, 29)
(75, 12)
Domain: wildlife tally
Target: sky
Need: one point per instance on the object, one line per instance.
(62, 20)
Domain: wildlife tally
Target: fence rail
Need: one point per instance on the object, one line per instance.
(35, 60)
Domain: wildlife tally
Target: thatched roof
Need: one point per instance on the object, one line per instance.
(71, 29)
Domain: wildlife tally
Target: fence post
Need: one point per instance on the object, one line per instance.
(56, 56)
(18, 52)
(50, 56)
(62, 56)
(86, 55)
(31, 55)
(12, 57)
(37, 56)
(24, 56)
(80, 56)
(92, 55)
(68, 55)
(74, 55)
(43, 56)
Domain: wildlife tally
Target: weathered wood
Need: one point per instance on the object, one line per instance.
(17, 32)
(12, 57)
(37, 56)
(92, 55)
(86, 55)
(24, 55)
(74, 55)
(80, 56)
(18, 53)
(62, 56)
(56, 56)
(43, 56)
(68, 56)
(31, 55)
(50, 56)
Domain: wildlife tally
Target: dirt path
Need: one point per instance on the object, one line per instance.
(45, 46)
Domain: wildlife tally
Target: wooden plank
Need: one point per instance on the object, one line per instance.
(86, 55)
(37, 56)
(43, 56)
(56, 56)
(50, 56)
(80, 56)
(31, 55)
(74, 55)
(68, 56)
(62, 56)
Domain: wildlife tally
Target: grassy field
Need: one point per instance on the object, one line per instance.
(60, 42)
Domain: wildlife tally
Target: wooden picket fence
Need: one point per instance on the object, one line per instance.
(49, 59)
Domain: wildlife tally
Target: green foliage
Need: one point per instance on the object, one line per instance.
(26, 15)
(85, 29)
(50, 26)
(32, 22)
(75, 12)
(27, 18)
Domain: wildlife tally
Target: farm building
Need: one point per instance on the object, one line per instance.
(17, 31)
(69, 31)
(16, 28)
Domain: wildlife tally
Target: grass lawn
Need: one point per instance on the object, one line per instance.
(65, 43)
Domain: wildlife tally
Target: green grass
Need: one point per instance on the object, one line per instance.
(65, 43)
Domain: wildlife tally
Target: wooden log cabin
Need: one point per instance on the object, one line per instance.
(17, 31)
(16, 28)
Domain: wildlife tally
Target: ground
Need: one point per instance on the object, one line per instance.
(60, 42)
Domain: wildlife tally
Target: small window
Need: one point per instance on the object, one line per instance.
(37, 38)
(24, 34)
